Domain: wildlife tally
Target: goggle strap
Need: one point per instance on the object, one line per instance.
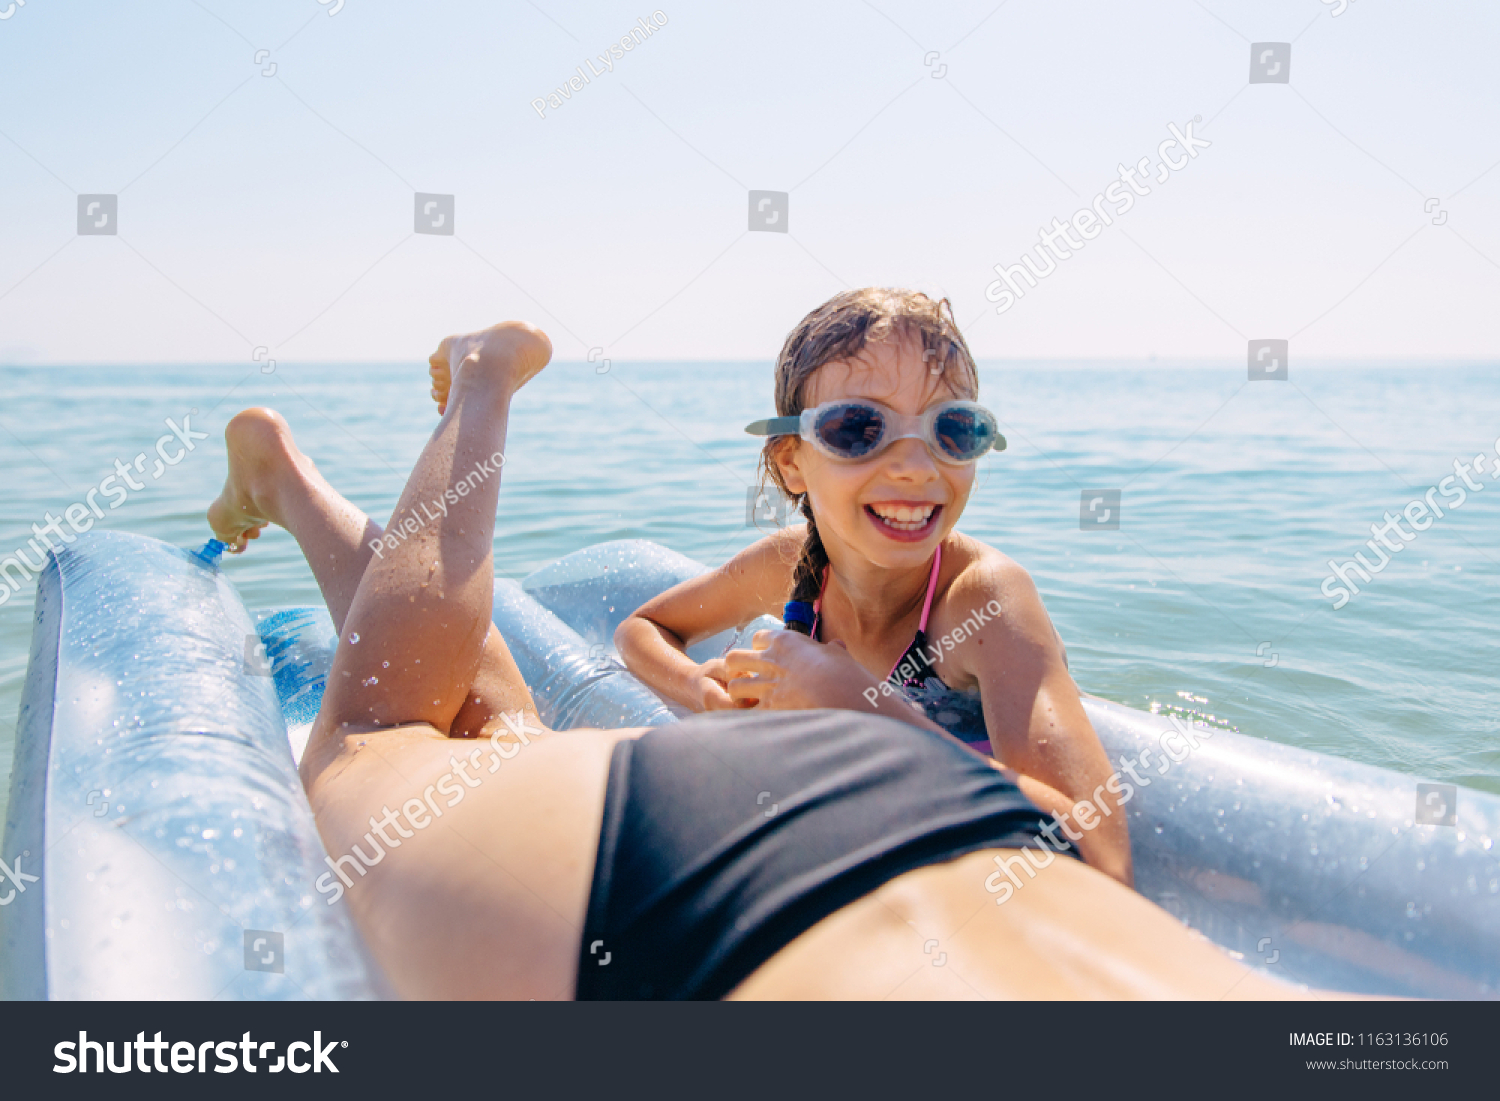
(775, 426)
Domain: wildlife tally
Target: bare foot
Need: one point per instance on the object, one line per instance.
(261, 455)
(515, 349)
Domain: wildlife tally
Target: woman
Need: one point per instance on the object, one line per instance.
(635, 863)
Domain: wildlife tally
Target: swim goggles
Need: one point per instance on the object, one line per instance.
(956, 432)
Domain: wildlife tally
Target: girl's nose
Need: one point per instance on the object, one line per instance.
(910, 459)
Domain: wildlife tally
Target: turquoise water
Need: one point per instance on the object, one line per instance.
(1235, 496)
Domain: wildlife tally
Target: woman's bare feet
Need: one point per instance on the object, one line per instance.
(262, 455)
(514, 349)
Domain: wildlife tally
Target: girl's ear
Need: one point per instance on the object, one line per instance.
(785, 457)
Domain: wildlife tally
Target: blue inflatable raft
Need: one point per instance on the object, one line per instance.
(162, 846)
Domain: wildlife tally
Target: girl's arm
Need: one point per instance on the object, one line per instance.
(1036, 721)
(654, 640)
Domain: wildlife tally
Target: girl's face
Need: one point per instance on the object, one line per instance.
(897, 506)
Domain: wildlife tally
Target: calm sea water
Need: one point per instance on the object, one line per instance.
(1234, 498)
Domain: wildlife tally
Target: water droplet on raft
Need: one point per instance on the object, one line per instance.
(354, 640)
(371, 680)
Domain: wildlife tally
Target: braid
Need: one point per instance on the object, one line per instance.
(807, 578)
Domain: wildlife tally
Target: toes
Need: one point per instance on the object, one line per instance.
(238, 543)
(442, 383)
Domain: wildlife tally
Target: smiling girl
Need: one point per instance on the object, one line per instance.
(891, 610)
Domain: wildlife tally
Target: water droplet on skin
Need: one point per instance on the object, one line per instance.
(353, 640)
(371, 680)
(385, 665)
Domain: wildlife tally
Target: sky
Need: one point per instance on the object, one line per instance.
(266, 157)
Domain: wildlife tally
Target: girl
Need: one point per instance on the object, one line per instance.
(876, 441)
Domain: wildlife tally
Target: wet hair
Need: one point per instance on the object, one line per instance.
(840, 329)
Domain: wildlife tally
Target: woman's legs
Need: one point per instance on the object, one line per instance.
(466, 866)
(271, 481)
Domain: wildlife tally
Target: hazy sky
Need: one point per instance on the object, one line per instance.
(278, 210)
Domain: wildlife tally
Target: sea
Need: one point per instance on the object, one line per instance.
(1181, 521)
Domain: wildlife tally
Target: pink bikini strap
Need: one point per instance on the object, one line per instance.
(926, 608)
(818, 604)
(937, 563)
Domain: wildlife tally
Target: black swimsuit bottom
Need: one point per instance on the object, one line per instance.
(727, 836)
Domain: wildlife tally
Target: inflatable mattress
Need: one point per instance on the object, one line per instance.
(163, 847)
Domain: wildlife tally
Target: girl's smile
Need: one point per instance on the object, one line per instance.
(904, 521)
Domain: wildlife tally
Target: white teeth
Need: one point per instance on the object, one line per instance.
(904, 517)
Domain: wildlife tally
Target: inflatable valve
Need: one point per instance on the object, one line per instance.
(211, 552)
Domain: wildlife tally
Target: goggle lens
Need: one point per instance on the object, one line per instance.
(964, 433)
(851, 430)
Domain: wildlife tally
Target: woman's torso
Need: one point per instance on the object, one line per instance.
(494, 909)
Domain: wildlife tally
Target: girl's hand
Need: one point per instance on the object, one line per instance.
(787, 671)
(710, 692)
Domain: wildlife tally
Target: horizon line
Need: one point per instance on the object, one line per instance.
(1148, 362)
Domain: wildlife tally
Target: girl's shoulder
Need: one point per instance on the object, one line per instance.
(988, 597)
(770, 560)
(977, 576)
(977, 572)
